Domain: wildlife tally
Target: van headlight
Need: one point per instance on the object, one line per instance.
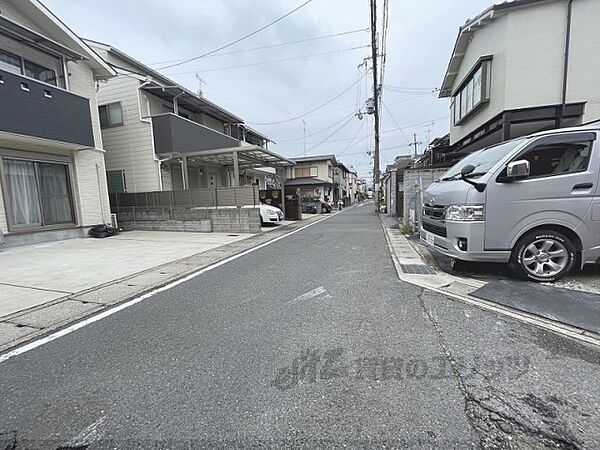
(465, 213)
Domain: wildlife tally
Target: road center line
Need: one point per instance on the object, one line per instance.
(60, 333)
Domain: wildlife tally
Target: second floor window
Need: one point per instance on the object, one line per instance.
(474, 92)
(10, 63)
(17, 65)
(111, 115)
(302, 172)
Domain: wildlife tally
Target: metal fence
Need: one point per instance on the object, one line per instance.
(191, 198)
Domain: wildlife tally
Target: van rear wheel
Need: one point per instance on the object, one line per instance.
(543, 255)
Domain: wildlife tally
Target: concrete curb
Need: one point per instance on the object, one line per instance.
(28, 324)
(460, 288)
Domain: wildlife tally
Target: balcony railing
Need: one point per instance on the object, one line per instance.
(174, 134)
(31, 108)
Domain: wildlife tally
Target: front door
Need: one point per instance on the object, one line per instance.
(559, 189)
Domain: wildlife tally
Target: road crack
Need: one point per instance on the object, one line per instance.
(495, 429)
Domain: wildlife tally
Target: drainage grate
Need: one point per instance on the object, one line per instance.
(417, 269)
(233, 235)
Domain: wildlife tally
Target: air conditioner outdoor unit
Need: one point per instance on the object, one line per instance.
(113, 221)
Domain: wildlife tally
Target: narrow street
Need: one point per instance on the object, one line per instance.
(310, 341)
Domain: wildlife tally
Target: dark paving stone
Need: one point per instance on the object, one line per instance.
(575, 308)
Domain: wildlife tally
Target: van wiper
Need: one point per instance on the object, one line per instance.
(457, 176)
(474, 174)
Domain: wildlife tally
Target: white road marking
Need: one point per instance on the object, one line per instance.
(88, 435)
(318, 292)
(58, 334)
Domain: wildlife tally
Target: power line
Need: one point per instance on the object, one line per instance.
(391, 130)
(407, 88)
(394, 120)
(312, 110)
(216, 69)
(279, 141)
(237, 40)
(329, 135)
(243, 50)
(351, 144)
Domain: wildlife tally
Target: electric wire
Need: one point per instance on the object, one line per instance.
(246, 36)
(273, 61)
(263, 47)
(310, 111)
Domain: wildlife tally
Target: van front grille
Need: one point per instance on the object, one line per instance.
(437, 212)
(440, 230)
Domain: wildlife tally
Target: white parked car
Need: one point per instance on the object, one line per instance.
(270, 214)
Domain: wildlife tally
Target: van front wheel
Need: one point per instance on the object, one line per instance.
(543, 255)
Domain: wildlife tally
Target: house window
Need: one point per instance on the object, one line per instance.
(33, 70)
(473, 92)
(303, 172)
(115, 180)
(10, 63)
(111, 115)
(15, 64)
(39, 193)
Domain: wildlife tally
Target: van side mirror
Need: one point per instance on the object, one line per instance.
(518, 169)
(467, 170)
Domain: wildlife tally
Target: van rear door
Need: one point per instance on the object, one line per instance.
(559, 190)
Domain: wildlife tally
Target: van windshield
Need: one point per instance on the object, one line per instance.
(483, 160)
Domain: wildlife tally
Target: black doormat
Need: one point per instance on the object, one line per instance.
(575, 308)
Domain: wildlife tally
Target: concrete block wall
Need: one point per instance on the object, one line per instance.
(414, 181)
(233, 220)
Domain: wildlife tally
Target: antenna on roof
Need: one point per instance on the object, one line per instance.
(200, 83)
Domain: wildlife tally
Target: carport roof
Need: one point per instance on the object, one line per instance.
(249, 156)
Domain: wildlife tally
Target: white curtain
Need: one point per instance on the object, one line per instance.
(56, 199)
(24, 196)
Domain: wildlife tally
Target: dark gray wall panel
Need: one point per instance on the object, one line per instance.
(64, 117)
(173, 134)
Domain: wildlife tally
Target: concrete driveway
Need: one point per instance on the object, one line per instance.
(32, 275)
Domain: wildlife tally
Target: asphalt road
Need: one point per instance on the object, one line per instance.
(309, 342)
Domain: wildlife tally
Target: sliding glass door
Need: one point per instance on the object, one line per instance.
(39, 193)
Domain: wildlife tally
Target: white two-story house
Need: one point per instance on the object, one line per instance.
(523, 66)
(51, 155)
(160, 136)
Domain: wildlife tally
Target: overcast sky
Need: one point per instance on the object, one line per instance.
(420, 38)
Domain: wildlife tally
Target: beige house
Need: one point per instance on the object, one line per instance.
(160, 136)
(51, 154)
(314, 177)
(523, 66)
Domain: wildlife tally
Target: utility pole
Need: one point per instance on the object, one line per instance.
(304, 130)
(415, 144)
(376, 102)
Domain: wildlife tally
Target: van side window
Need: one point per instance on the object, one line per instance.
(559, 159)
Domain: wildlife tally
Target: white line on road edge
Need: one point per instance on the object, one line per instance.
(58, 334)
(530, 319)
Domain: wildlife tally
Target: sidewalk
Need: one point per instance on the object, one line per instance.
(48, 286)
(552, 307)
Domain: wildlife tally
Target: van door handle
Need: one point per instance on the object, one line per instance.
(583, 186)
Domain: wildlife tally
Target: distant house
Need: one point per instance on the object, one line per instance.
(51, 154)
(314, 176)
(160, 136)
(520, 67)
